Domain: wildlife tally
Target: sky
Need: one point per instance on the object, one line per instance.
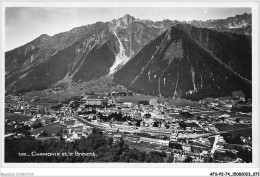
(23, 24)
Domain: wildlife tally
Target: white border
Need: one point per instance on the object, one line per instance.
(130, 4)
(154, 169)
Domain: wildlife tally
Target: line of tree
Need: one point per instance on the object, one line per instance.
(102, 146)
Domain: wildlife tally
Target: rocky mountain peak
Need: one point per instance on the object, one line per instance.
(157, 58)
(127, 19)
(240, 24)
(124, 21)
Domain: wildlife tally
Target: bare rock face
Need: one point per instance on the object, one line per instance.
(48, 60)
(123, 22)
(189, 62)
(165, 58)
(240, 24)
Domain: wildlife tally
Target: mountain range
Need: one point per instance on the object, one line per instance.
(165, 58)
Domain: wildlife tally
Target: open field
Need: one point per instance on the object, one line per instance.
(173, 102)
(136, 98)
(16, 117)
(236, 129)
(183, 103)
(228, 127)
(195, 136)
(50, 129)
(45, 103)
(246, 132)
(35, 93)
(219, 113)
(101, 86)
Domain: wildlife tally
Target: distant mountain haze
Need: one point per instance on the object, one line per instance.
(165, 58)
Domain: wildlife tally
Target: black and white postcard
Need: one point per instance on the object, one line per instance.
(130, 84)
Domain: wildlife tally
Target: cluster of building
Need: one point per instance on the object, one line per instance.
(236, 103)
(185, 133)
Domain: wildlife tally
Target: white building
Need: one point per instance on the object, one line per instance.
(153, 102)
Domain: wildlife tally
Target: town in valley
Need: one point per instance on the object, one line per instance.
(118, 88)
(212, 130)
